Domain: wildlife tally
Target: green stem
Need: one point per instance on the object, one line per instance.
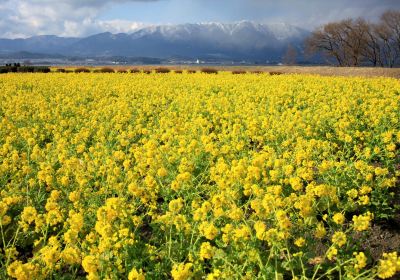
(333, 269)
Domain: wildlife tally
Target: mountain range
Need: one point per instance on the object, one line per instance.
(239, 40)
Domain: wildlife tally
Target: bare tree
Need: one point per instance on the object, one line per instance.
(290, 57)
(328, 41)
(389, 33)
(391, 20)
(388, 50)
(372, 49)
(355, 42)
(344, 41)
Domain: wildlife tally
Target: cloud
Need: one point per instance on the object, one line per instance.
(24, 18)
(311, 13)
(88, 26)
(343, 9)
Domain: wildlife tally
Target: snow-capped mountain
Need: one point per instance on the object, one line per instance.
(239, 40)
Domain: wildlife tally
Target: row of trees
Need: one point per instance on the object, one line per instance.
(17, 67)
(356, 42)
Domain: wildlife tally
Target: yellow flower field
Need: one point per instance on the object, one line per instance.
(196, 176)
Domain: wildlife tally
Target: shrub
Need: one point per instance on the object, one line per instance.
(82, 70)
(135, 70)
(162, 70)
(12, 69)
(209, 71)
(122, 71)
(61, 70)
(26, 69)
(147, 71)
(257, 72)
(106, 70)
(275, 73)
(42, 69)
(236, 72)
(191, 71)
(178, 71)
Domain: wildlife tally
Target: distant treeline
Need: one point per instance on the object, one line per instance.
(17, 67)
(357, 42)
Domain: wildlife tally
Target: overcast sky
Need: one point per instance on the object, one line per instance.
(25, 18)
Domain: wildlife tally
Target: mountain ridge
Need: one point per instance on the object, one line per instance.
(238, 40)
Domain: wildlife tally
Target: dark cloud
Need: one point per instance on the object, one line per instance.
(315, 12)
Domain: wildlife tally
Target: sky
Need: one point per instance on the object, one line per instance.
(78, 18)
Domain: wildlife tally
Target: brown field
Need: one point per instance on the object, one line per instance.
(319, 70)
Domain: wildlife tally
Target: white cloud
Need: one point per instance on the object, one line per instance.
(24, 18)
(119, 26)
(89, 26)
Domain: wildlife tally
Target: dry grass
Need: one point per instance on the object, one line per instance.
(82, 70)
(320, 70)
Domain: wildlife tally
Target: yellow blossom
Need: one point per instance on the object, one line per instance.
(339, 238)
(206, 251)
(362, 222)
(208, 230)
(361, 261)
(182, 271)
(90, 264)
(299, 242)
(338, 218)
(388, 265)
(134, 274)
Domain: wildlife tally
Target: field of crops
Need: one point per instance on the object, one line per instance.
(198, 176)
